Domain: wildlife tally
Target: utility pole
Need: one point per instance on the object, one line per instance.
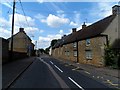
(11, 51)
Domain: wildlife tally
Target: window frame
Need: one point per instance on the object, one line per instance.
(89, 54)
(75, 44)
(75, 53)
(88, 42)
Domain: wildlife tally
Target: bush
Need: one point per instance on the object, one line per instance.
(111, 57)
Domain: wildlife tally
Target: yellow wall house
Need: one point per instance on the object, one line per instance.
(87, 45)
(22, 43)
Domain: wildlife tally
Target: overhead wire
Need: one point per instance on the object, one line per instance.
(24, 13)
(30, 27)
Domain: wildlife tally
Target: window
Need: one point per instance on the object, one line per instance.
(87, 42)
(74, 44)
(65, 53)
(68, 53)
(75, 53)
(88, 54)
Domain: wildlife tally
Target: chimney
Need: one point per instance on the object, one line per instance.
(83, 26)
(73, 30)
(116, 9)
(21, 29)
(63, 36)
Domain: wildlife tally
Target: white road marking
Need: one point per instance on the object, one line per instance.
(102, 77)
(76, 68)
(51, 62)
(86, 72)
(58, 68)
(98, 77)
(75, 83)
(58, 78)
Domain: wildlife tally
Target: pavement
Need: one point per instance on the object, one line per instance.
(105, 74)
(11, 71)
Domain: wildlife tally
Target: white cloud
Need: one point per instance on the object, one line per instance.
(45, 41)
(7, 4)
(4, 33)
(73, 24)
(60, 13)
(40, 1)
(61, 32)
(20, 20)
(102, 10)
(41, 31)
(30, 30)
(40, 16)
(55, 21)
(76, 21)
(5, 25)
(77, 17)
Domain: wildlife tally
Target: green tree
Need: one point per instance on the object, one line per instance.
(41, 50)
(111, 56)
(53, 42)
(47, 50)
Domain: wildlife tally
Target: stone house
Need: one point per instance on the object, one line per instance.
(22, 43)
(87, 45)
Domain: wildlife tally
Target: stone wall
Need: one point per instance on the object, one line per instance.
(97, 44)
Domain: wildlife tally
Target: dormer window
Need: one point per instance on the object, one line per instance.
(87, 42)
(74, 44)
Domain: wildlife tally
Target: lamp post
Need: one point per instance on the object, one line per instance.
(11, 51)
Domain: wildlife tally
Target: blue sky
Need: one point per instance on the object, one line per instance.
(45, 21)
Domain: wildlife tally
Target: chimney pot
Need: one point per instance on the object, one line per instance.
(84, 26)
(63, 36)
(73, 30)
(21, 29)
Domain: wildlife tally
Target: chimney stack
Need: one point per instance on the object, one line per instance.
(83, 26)
(63, 36)
(21, 29)
(116, 9)
(73, 30)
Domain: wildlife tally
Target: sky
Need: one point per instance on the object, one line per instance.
(44, 21)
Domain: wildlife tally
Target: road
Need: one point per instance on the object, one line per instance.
(47, 72)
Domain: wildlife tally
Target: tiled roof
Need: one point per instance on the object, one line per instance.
(90, 31)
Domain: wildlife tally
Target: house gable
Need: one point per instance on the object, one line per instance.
(112, 31)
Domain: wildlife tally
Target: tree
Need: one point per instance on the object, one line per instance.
(53, 42)
(41, 50)
(47, 50)
(111, 56)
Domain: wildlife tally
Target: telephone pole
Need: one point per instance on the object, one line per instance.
(11, 51)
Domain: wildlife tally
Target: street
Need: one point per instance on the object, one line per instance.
(46, 72)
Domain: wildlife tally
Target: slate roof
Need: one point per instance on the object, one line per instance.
(90, 31)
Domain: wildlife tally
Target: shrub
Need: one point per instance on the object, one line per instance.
(111, 57)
